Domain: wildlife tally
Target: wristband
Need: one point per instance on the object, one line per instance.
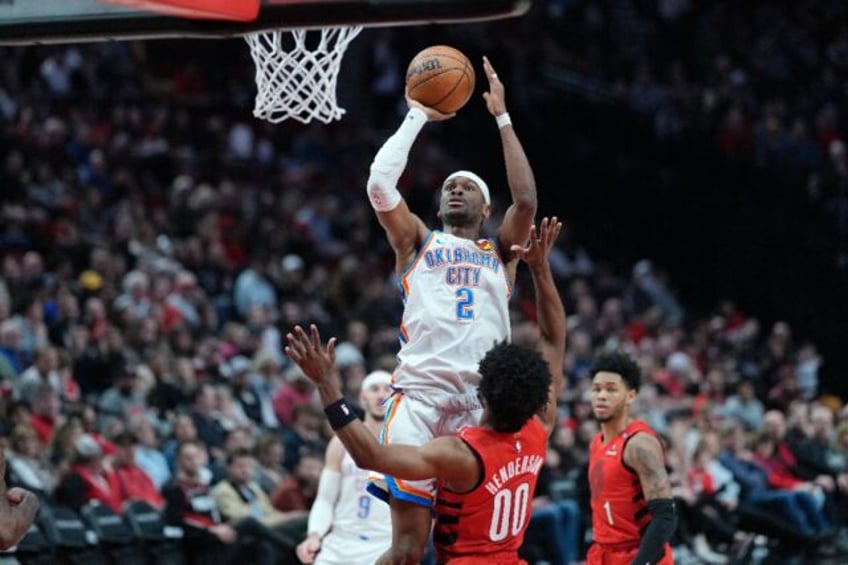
(339, 414)
(503, 120)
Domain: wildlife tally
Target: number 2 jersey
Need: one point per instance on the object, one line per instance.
(456, 296)
(487, 524)
(619, 509)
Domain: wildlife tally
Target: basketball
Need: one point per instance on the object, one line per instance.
(440, 77)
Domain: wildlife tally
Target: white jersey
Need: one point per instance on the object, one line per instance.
(456, 296)
(362, 523)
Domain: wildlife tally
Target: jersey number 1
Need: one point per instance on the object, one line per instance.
(464, 303)
(509, 513)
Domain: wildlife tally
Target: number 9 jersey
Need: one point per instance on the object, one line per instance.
(487, 524)
(456, 296)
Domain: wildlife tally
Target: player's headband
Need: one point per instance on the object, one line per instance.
(376, 378)
(481, 184)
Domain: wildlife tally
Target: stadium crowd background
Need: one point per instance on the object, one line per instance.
(155, 238)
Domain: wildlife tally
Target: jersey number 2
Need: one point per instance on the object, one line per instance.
(509, 513)
(464, 303)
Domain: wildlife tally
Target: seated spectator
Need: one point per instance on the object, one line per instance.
(554, 524)
(133, 482)
(26, 465)
(305, 434)
(147, 453)
(46, 407)
(43, 370)
(269, 453)
(745, 406)
(297, 491)
(238, 497)
(88, 479)
(797, 506)
(209, 429)
(190, 506)
(123, 399)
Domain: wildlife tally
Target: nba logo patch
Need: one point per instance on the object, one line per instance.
(517, 446)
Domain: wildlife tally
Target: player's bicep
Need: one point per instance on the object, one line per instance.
(334, 454)
(644, 455)
(404, 230)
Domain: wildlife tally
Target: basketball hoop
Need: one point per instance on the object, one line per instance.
(297, 80)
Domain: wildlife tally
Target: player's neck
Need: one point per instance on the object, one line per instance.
(462, 231)
(615, 426)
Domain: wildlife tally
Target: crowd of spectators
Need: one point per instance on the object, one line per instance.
(157, 244)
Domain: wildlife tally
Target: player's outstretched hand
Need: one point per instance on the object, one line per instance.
(539, 246)
(306, 350)
(495, 99)
(17, 510)
(433, 115)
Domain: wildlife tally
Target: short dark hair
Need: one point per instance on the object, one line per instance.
(238, 453)
(515, 384)
(620, 364)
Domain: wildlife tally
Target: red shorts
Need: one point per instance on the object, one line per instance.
(602, 554)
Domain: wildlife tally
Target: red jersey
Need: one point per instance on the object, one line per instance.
(487, 524)
(619, 509)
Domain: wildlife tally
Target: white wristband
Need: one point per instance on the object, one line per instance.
(503, 120)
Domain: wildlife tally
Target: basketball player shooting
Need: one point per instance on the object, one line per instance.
(487, 474)
(456, 289)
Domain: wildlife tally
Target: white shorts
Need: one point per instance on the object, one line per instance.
(345, 549)
(414, 418)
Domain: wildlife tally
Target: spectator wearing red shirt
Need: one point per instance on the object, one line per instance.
(45, 408)
(88, 479)
(133, 482)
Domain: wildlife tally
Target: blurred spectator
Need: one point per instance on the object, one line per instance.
(238, 497)
(297, 491)
(133, 482)
(88, 479)
(147, 454)
(269, 462)
(304, 435)
(26, 463)
(189, 505)
(745, 407)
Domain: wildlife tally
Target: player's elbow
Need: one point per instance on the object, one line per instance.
(526, 203)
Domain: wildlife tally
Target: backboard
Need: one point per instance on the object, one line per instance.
(71, 21)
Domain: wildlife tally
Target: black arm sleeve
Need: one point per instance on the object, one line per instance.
(660, 530)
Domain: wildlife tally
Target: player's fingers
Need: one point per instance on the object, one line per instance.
(296, 343)
(331, 350)
(316, 337)
(292, 354)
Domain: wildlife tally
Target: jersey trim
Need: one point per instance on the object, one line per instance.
(402, 282)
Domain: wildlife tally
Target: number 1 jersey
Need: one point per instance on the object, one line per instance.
(456, 296)
(619, 510)
(487, 524)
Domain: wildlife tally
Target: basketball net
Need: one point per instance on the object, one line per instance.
(296, 80)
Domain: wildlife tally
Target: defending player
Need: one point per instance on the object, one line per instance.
(348, 526)
(456, 288)
(633, 514)
(486, 473)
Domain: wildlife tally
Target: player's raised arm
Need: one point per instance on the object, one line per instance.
(549, 307)
(445, 457)
(404, 229)
(644, 455)
(522, 185)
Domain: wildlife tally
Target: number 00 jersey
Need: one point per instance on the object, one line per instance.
(456, 296)
(487, 524)
(619, 510)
